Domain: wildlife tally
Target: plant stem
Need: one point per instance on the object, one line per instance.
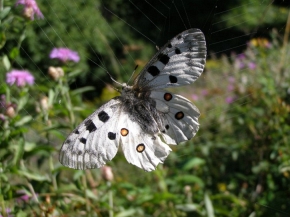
(111, 204)
(84, 181)
(51, 166)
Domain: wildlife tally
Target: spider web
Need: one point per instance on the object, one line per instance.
(165, 19)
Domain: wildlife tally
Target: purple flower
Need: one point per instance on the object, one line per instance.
(251, 65)
(204, 92)
(2, 117)
(64, 54)
(2, 101)
(194, 97)
(8, 211)
(241, 65)
(30, 8)
(231, 79)
(20, 77)
(230, 87)
(230, 99)
(241, 56)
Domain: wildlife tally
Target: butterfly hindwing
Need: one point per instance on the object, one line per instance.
(141, 149)
(181, 116)
(95, 141)
(179, 62)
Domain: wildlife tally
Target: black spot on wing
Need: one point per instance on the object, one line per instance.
(111, 136)
(153, 70)
(179, 37)
(83, 140)
(169, 45)
(90, 126)
(177, 51)
(172, 79)
(163, 58)
(76, 131)
(167, 126)
(103, 116)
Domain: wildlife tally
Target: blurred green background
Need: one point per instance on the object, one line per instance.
(237, 165)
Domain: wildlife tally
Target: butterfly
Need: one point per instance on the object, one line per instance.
(146, 117)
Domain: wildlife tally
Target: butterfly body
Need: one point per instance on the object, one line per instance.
(146, 117)
(141, 109)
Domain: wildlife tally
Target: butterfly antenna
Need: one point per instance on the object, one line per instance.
(132, 73)
(113, 79)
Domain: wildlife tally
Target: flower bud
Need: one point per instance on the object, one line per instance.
(55, 72)
(44, 103)
(107, 173)
(10, 112)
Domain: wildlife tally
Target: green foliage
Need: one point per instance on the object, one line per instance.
(237, 165)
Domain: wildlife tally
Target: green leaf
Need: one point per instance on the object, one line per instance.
(19, 150)
(29, 146)
(21, 214)
(194, 162)
(23, 121)
(190, 179)
(6, 62)
(208, 205)
(51, 96)
(14, 53)
(82, 90)
(91, 195)
(2, 39)
(67, 188)
(4, 12)
(187, 207)
(74, 73)
(125, 213)
(33, 176)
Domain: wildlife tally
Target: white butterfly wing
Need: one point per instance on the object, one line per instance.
(181, 116)
(179, 62)
(95, 141)
(140, 149)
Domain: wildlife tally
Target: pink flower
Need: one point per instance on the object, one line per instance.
(20, 77)
(241, 65)
(8, 211)
(64, 54)
(194, 97)
(30, 8)
(241, 56)
(230, 99)
(230, 87)
(231, 79)
(24, 197)
(204, 92)
(251, 65)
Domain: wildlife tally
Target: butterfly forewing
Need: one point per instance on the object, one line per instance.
(179, 62)
(95, 141)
